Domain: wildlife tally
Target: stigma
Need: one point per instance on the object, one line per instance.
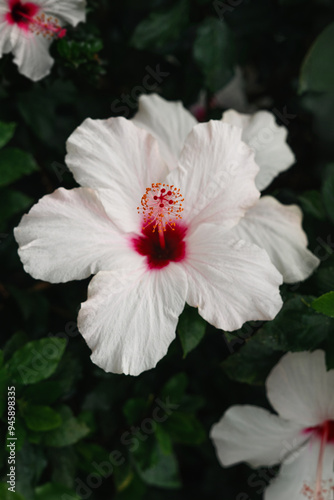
(161, 206)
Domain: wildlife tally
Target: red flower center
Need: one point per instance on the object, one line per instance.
(323, 487)
(21, 13)
(25, 16)
(149, 245)
(162, 239)
(325, 430)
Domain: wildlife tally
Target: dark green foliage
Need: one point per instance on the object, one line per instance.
(214, 52)
(85, 434)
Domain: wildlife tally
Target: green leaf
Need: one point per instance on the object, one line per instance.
(15, 164)
(27, 476)
(64, 464)
(161, 470)
(7, 131)
(161, 27)
(134, 409)
(175, 387)
(130, 486)
(39, 105)
(12, 203)
(325, 304)
(19, 339)
(40, 418)
(328, 192)
(79, 52)
(45, 392)
(3, 390)
(89, 452)
(185, 428)
(324, 280)
(69, 371)
(312, 204)
(297, 327)
(191, 329)
(20, 432)
(317, 73)
(123, 477)
(53, 491)
(214, 52)
(9, 495)
(164, 439)
(36, 360)
(253, 362)
(70, 431)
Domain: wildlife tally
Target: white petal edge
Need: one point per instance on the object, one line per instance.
(216, 175)
(254, 435)
(168, 121)
(268, 140)
(130, 318)
(297, 478)
(70, 11)
(121, 159)
(301, 390)
(278, 229)
(67, 235)
(230, 282)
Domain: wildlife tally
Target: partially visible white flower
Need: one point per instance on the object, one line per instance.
(273, 226)
(269, 224)
(27, 29)
(151, 248)
(267, 139)
(300, 437)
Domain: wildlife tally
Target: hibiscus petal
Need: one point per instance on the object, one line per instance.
(260, 131)
(169, 122)
(230, 281)
(31, 53)
(297, 478)
(300, 389)
(71, 11)
(254, 435)
(130, 317)
(67, 235)
(278, 229)
(216, 175)
(120, 158)
(5, 44)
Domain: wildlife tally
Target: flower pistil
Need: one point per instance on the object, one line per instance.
(161, 205)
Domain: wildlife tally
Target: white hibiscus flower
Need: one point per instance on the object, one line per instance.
(301, 436)
(28, 28)
(150, 263)
(275, 227)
